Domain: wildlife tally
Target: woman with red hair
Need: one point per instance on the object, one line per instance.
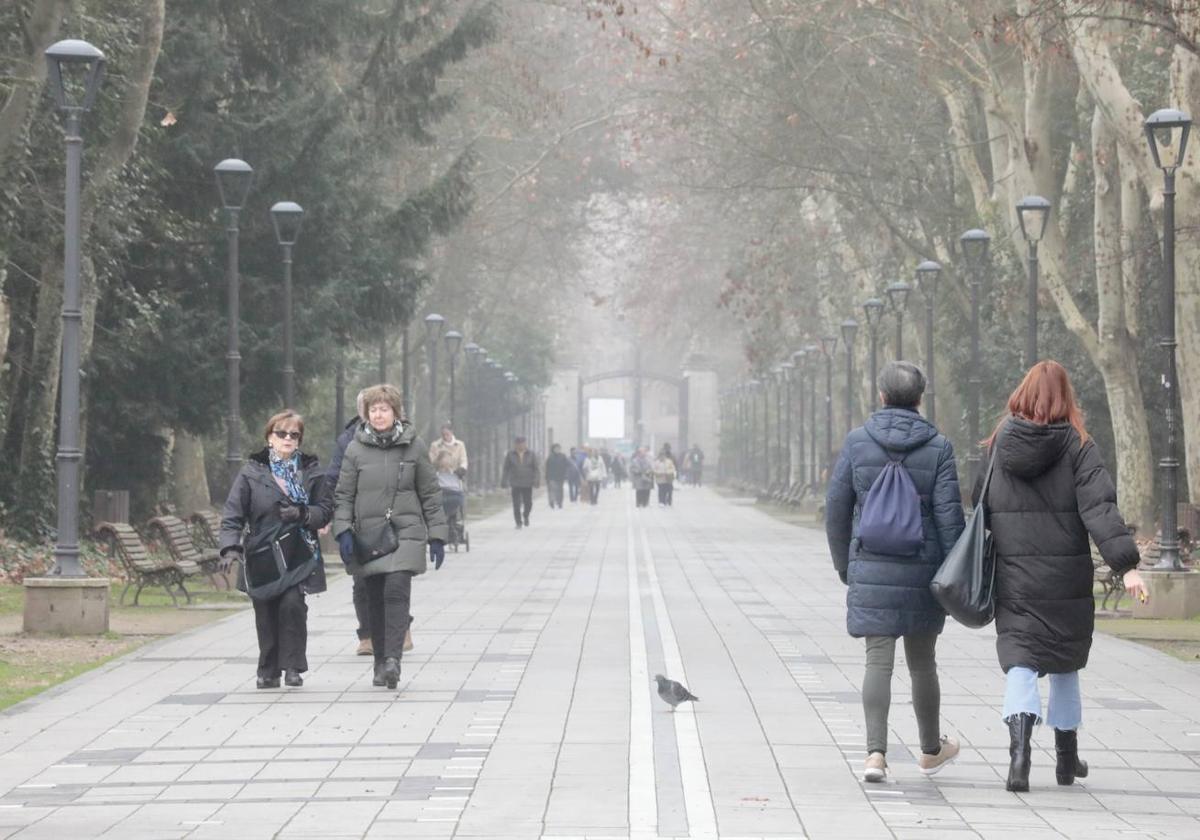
(1049, 492)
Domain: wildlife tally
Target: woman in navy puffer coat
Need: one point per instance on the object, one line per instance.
(889, 595)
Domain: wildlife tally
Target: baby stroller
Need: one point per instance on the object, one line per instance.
(454, 503)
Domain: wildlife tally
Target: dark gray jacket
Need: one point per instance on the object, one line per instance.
(888, 595)
(393, 472)
(1048, 494)
(520, 471)
(251, 513)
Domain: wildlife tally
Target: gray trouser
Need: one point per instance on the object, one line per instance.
(926, 693)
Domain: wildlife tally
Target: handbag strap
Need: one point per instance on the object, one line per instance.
(987, 479)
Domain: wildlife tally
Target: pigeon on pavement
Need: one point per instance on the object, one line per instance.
(672, 692)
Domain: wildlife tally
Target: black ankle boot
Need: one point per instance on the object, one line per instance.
(1020, 730)
(292, 677)
(1066, 747)
(378, 679)
(391, 671)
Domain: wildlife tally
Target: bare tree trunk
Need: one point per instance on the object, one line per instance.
(41, 28)
(189, 483)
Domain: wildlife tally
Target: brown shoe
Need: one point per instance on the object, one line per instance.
(875, 769)
(408, 644)
(365, 648)
(930, 764)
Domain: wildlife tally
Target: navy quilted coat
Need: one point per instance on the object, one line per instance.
(889, 595)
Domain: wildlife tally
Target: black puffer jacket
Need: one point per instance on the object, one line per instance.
(251, 514)
(1048, 494)
(889, 596)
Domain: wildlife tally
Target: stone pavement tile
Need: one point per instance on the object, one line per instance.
(363, 769)
(246, 821)
(226, 771)
(357, 789)
(77, 821)
(200, 792)
(332, 819)
(122, 793)
(238, 754)
(296, 770)
(266, 791)
(15, 818)
(839, 823)
(154, 756)
(1129, 806)
(137, 773)
(165, 817)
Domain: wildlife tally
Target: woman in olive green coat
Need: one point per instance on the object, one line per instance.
(386, 474)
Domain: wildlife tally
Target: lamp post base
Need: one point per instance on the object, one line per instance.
(66, 606)
(1171, 595)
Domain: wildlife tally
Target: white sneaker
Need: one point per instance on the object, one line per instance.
(875, 768)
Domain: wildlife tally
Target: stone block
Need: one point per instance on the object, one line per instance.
(66, 606)
(1171, 595)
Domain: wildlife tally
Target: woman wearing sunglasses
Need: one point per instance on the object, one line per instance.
(270, 523)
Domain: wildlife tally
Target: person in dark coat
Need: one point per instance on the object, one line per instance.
(520, 473)
(888, 595)
(557, 469)
(1049, 493)
(277, 489)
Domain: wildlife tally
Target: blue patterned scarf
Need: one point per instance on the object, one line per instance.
(289, 473)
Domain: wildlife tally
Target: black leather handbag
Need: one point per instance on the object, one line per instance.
(373, 543)
(965, 585)
(278, 564)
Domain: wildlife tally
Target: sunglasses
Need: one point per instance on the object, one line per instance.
(282, 435)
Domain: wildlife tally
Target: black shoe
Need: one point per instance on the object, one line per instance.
(518, 526)
(291, 677)
(1020, 730)
(378, 679)
(391, 671)
(526, 522)
(268, 682)
(1066, 748)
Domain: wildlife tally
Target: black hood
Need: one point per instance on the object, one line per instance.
(263, 458)
(899, 429)
(1027, 449)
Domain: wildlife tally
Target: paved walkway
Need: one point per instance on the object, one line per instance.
(527, 711)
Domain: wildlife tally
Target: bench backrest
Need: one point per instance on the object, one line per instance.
(177, 538)
(128, 546)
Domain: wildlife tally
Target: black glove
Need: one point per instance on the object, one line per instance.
(345, 541)
(290, 513)
(228, 555)
(437, 553)
(461, 472)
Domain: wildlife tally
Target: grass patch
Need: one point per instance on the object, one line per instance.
(1180, 638)
(30, 665)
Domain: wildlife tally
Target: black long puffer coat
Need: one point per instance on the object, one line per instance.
(1048, 494)
(889, 595)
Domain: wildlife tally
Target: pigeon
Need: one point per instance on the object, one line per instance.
(673, 692)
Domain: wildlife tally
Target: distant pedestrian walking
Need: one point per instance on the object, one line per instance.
(695, 462)
(1049, 493)
(575, 473)
(387, 509)
(520, 474)
(664, 476)
(596, 473)
(892, 512)
(641, 474)
(620, 470)
(275, 507)
(558, 467)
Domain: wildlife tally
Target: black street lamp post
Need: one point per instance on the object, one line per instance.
(812, 352)
(975, 244)
(828, 348)
(849, 333)
(287, 216)
(928, 273)
(233, 183)
(71, 62)
(469, 369)
(897, 293)
(1167, 132)
(788, 369)
(799, 359)
(777, 379)
(453, 342)
(765, 387)
(873, 309)
(434, 324)
(1033, 212)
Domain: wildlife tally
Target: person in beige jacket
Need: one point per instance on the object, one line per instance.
(452, 449)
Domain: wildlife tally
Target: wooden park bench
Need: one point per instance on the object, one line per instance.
(140, 566)
(173, 534)
(206, 528)
(1110, 582)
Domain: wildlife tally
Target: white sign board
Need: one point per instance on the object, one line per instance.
(606, 418)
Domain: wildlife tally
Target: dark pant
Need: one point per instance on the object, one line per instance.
(554, 491)
(926, 692)
(360, 608)
(573, 487)
(643, 497)
(522, 498)
(389, 597)
(282, 625)
(665, 492)
(593, 491)
(697, 476)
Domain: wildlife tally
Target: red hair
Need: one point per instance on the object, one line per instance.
(1045, 396)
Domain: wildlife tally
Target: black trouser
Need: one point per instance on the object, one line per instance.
(665, 492)
(282, 625)
(389, 597)
(697, 476)
(593, 491)
(643, 497)
(522, 499)
(554, 491)
(360, 609)
(573, 486)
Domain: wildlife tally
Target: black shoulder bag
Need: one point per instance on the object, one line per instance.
(372, 543)
(965, 585)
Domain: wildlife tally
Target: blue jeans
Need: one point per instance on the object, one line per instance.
(1065, 707)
